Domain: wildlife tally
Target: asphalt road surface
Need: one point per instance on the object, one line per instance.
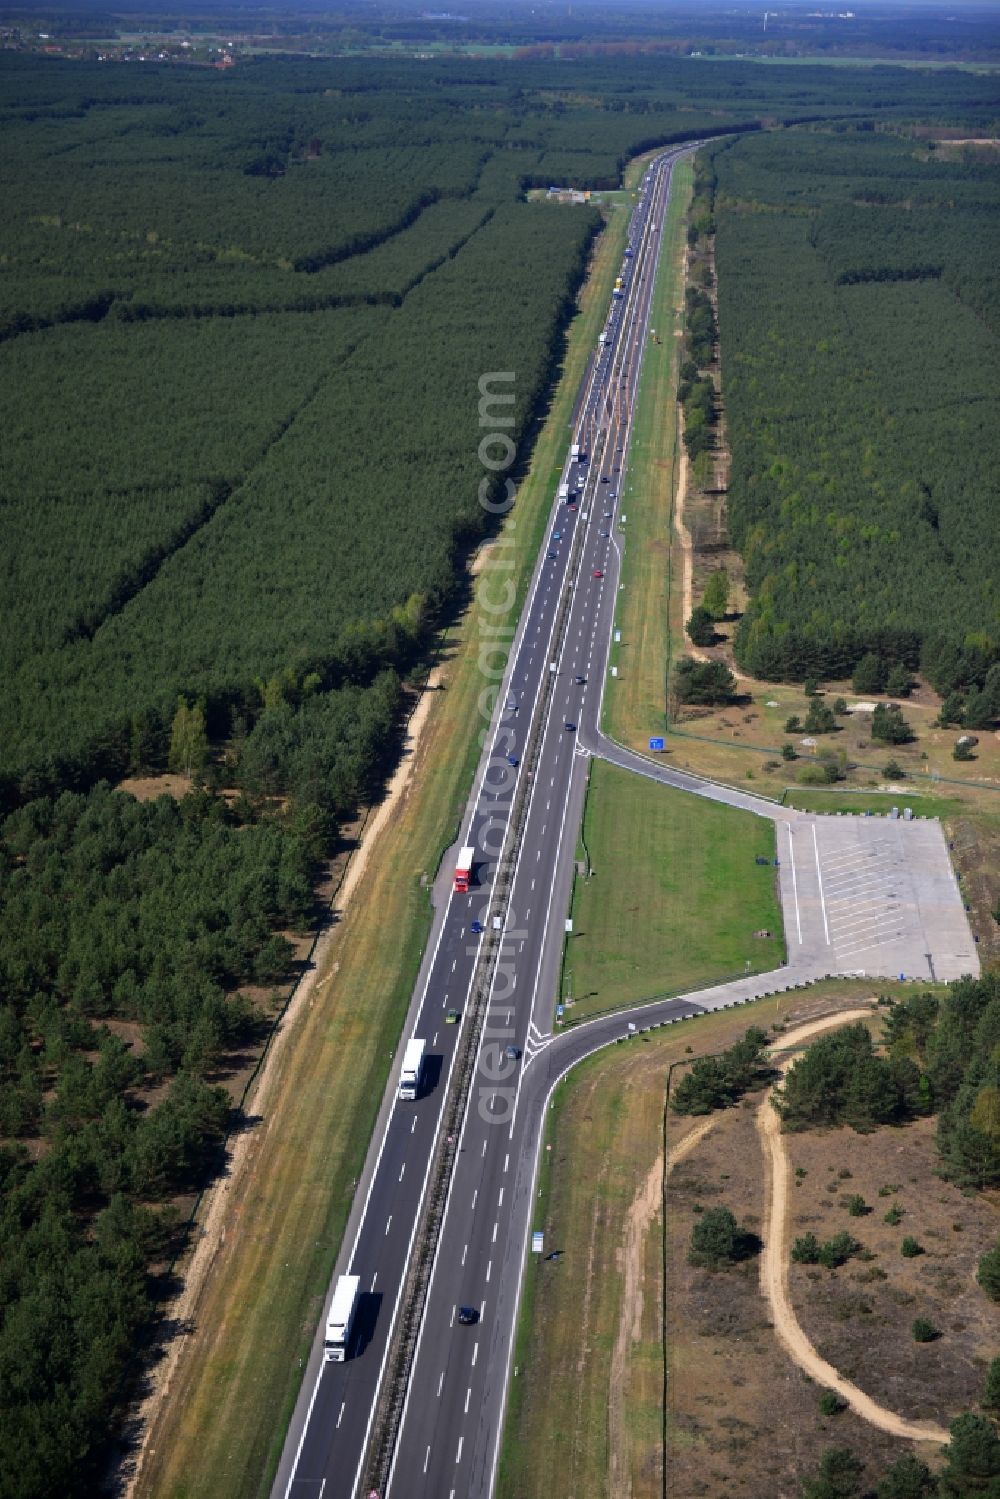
(859, 895)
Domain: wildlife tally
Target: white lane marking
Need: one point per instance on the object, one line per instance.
(389, 1220)
(496, 1227)
(506, 1161)
(468, 1397)
(795, 884)
(402, 1169)
(475, 1353)
(340, 1416)
(819, 876)
(464, 1253)
(489, 1269)
(374, 1279)
(500, 1203)
(427, 1457)
(454, 964)
(533, 884)
(484, 1147)
(474, 1196)
(413, 1124)
(452, 1323)
(433, 1043)
(458, 1454)
(440, 1384)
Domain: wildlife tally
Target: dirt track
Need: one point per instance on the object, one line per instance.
(643, 1210)
(774, 1263)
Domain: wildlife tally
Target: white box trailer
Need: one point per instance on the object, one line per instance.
(564, 491)
(340, 1321)
(412, 1075)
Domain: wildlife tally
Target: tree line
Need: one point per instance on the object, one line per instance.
(862, 412)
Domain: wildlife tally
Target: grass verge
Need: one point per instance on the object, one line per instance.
(674, 896)
(635, 699)
(220, 1431)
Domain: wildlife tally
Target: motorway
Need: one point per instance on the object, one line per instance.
(858, 895)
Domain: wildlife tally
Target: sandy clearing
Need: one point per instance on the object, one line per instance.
(209, 1231)
(645, 1205)
(774, 1261)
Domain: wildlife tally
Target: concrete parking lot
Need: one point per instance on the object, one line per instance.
(873, 896)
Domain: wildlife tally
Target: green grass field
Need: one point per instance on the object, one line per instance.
(674, 897)
(635, 702)
(879, 802)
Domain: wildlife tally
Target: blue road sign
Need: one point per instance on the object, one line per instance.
(656, 744)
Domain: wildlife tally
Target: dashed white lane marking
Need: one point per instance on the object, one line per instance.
(440, 1384)
(474, 1196)
(475, 1353)
(819, 876)
(341, 1415)
(464, 1253)
(468, 1397)
(489, 1270)
(402, 1170)
(413, 1121)
(387, 1225)
(506, 1162)
(458, 1454)
(496, 1229)
(427, 1458)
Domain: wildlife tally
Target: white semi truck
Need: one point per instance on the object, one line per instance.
(340, 1322)
(412, 1076)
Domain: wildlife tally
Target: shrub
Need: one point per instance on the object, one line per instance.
(908, 1478)
(839, 1476)
(889, 725)
(707, 682)
(793, 725)
(838, 1250)
(819, 719)
(701, 627)
(718, 1240)
(909, 1248)
(806, 1250)
(893, 771)
(811, 687)
(788, 751)
(840, 706)
(857, 1207)
(924, 1331)
(988, 1272)
(962, 751)
(894, 1215)
(991, 1389)
(831, 1404)
(972, 1458)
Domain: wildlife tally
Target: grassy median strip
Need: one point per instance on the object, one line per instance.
(219, 1432)
(635, 700)
(673, 898)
